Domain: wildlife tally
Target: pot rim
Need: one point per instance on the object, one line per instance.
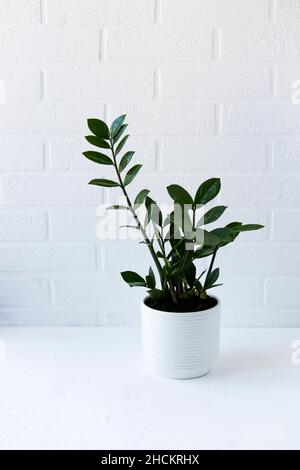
(200, 312)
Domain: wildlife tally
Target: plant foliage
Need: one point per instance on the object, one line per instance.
(179, 242)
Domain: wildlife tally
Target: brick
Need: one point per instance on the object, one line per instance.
(250, 291)
(265, 42)
(13, 157)
(123, 255)
(22, 83)
(159, 43)
(49, 190)
(45, 43)
(79, 292)
(124, 310)
(261, 259)
(287, 11)
(49, 117)
(286, 154)
(66, 153)
(20, 11)
(103, 12)
(94, 293)
(195, 12)
(287, 82)
(254, 119)
(100, 81)
(213, 155)
(73, 224)
(283, 293)
(286, 225)
(216, 80)
(168, 118)
(261, 190)
(21, 225)
(24, 293)
(41, 257)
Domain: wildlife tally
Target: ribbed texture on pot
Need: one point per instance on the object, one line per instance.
(181, 345)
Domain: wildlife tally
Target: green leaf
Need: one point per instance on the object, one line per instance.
(120, 133)
(156, 294)
(213, 286)
(132, 174)
(116, 208)
(207, 191)
(190, 273)
(204, 252)
(150, 279)
(105, 183)
(99, 128)
(225, 234)
(207, 238)
(121, 144)
(212, 215)
(248, 228)
(141, 198)
(116, 125)
(179, 194)
(125, 160)
(98, 158)
(133, 279)
(211, 278)
(97, 141)
(153, 211)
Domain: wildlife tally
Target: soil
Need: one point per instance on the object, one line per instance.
(184, 306)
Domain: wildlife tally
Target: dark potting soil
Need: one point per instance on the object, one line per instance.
(184, 306)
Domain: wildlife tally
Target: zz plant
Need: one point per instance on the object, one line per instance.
(176, 241)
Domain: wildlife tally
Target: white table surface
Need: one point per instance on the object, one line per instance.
(86, 388)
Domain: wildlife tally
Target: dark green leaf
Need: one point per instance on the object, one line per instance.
(98, 158)
(153, 211)
(133, 279)
(248, 228)
(141, 198)
(97, 141)
(150, 279)
(204, 252)
(207, 238)
(213, 286)
(156, 294)
(116, 125)
(225, 234)
(179, 194)
(212, 215)
(125, 160)
(211, 278)
(121, 144)
(105, 183)
(99, 128)
(207, 191)
(120, 133)
(190, 273)
(132, 174)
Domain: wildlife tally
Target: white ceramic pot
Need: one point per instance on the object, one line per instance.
(181, 345)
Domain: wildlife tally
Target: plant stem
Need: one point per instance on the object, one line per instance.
(135, 216)
(212, 262)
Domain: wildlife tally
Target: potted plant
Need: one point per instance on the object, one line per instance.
(180, 318)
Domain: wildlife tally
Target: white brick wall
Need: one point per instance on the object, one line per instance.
(207, 86)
